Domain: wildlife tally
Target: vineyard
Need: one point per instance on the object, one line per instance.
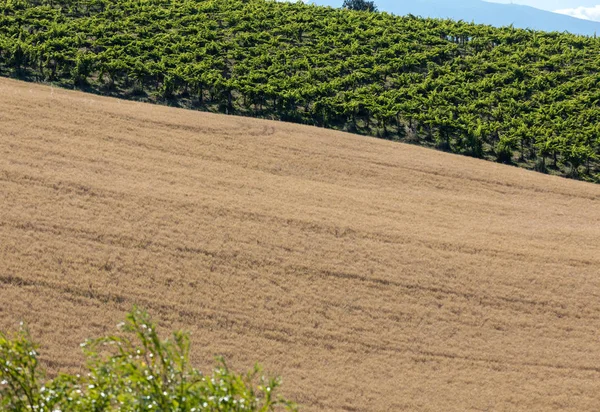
(509, 95)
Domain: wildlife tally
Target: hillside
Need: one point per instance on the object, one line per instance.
(514, 96)
(370, 275)
(483, 12)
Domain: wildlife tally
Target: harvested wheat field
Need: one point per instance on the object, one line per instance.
(370, 275)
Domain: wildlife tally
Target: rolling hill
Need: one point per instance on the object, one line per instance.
(371, 275)
(483, 12)
(503, 94)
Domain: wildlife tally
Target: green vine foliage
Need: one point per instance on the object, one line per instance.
(509, 95)
(132, 371)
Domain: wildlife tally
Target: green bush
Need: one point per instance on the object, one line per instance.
(132, 371)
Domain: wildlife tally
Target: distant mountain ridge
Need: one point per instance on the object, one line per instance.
(482, 12)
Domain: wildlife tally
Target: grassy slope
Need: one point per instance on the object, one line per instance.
(371, 275)
(516, 96)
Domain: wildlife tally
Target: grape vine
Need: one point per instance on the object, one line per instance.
(515, 96)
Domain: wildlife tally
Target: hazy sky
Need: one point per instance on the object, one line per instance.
(553, 4)
(584, 9)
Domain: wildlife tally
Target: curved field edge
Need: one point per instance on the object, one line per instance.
(370, 275)
(514, 96)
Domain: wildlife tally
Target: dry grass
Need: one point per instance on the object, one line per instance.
(370, 275)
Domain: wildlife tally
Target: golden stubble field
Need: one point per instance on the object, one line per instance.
(371, 275)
